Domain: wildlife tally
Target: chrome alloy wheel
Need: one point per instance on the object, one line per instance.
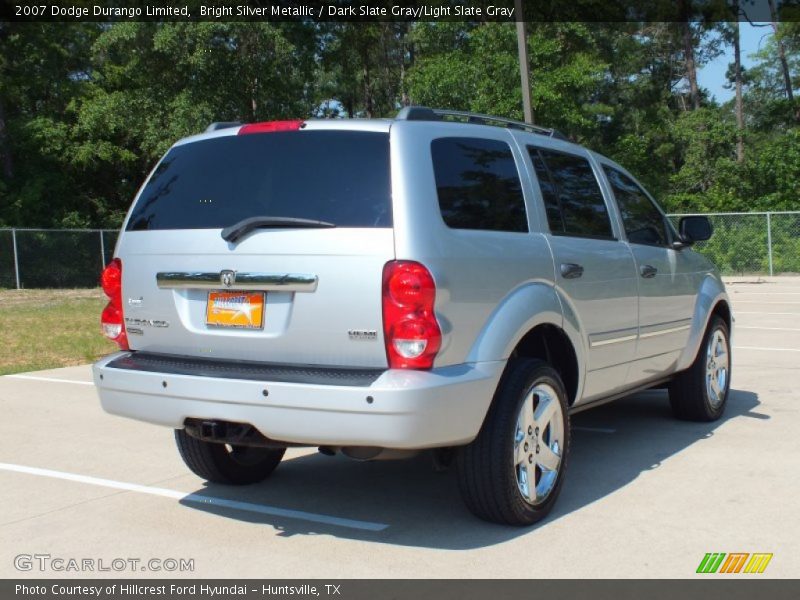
(538, 443)
(717, 367)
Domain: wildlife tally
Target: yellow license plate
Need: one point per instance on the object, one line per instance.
(244, 310)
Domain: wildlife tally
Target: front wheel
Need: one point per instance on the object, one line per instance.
(513, 471)
(700, 392)
(224, 463)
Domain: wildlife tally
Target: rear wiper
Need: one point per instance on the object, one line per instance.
(245, 226)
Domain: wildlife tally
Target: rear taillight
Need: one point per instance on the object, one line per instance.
(410, 329)
(269, 126)
(112, 320)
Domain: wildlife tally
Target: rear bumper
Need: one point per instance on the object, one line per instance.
(396, 409)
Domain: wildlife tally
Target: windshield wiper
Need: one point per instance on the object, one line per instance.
(245, 226)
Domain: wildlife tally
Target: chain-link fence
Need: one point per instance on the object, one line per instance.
(743, 244)
(54, 258)
(766, 243)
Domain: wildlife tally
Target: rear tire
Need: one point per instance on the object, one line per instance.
(223, 463)
(700, 393)
(513, 471)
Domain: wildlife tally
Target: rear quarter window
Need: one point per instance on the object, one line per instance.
(478, 184)
(342, 177)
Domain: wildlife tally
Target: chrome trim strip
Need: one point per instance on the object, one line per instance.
(281, 282)
(616, 340)
(603, 339)
(664, 325)
(650, 334)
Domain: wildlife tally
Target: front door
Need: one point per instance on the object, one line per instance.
(666, 286)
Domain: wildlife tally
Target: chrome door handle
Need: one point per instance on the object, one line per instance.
(571, 270)
(648, 271)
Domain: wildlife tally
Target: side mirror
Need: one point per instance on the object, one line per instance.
(695, 229)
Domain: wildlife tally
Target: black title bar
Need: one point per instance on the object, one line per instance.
(708, 588)
(403, 11)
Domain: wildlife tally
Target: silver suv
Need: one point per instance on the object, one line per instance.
(441, 280)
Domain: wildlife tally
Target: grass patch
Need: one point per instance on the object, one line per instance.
(45, 329)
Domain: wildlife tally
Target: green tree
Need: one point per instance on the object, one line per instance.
(86, 109)
(469, 67)
(43, 70)
(91, 107)
(363, 67)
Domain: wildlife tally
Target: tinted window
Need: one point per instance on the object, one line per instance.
(549, 193)
(642, 220)
(478, 184)
(335, 176)
(574, 202)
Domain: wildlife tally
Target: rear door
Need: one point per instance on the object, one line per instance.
(307, 293)
(667, 287)
(594, 270)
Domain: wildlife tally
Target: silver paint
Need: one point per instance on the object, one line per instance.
(491, 289)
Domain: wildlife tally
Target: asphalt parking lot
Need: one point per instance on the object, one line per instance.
(646, 496)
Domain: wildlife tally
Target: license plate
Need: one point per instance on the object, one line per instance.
(243, 310)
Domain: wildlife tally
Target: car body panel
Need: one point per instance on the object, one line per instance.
(401, 409)
(475, 270)
(492, 288)
(297, 325)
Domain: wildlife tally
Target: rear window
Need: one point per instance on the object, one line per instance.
(337, 176)
(478, 184)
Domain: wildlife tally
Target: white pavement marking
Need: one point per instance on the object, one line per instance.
(594, 429)
(768, 328)
(767, 293)
(35, 378)
(737, 301)
(744, 312)
(198, 499)
(770, 349)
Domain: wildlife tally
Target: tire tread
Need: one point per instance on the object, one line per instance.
(211, 461)
(487, 485)
(687, 395)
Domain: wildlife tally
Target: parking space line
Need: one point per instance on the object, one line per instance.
(767, 293)
(53, 379)
(758, 312)
(738, 301)
(768, 328)
(763, 348)
(199, 499)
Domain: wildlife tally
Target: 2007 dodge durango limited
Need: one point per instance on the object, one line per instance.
(440, 281)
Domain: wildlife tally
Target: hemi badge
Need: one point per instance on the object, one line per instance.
(363, 334)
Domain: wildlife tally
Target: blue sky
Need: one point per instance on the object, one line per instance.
(712, 75)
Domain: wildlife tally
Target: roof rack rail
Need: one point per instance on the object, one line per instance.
(423, 113)
(217, 125)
